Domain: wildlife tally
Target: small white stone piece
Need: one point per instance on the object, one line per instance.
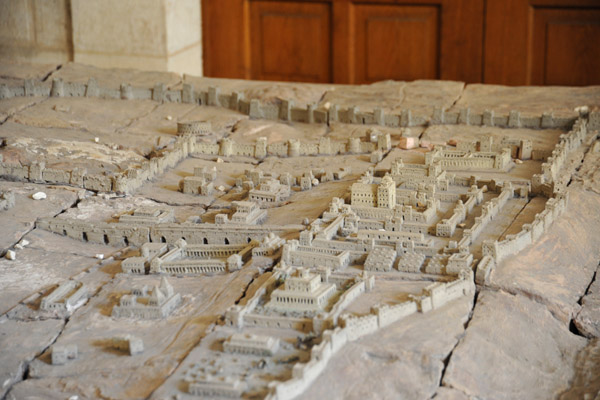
(96, 139)
(517, 161)
(11, 255)
(74, 397)
(315, 182)
(168, 118)
(24, 242)
(39, 196)
(219, 160)
(62, 108)
(407, 143)
(100, 256)
(221, 188)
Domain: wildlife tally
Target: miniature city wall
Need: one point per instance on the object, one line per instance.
(134, 234)
(285, 111)
(133, 178)
(337, 329)
(352, 328)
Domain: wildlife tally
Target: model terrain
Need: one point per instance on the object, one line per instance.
(170, 237)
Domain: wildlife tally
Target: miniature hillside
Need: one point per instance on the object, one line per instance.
(170, 237)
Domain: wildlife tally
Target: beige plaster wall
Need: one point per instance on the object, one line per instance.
(159, 35)
(35, 31)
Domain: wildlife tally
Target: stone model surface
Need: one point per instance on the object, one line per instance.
(197, 238)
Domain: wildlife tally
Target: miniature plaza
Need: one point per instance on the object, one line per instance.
(220, 245)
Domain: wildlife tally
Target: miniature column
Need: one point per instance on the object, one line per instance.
(159, 91)
(285, 110)
(438, 116)
(379, 116)
(187, 93)
(126, 92)
(58, 88)
(464, 115)
(514, 119)
(213, 96)
(234, 104)
(91, 89)
(405, 118)
(488, 118)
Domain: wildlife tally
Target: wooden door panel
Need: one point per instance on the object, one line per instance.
(396, 42)
(343, 41)
(564, 49)
(542, 42)
(355, 41)
(224, 47)
(290, 40)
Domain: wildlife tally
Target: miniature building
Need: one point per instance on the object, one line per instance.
(186, 258)
(369, 194)
(411, 262)
(158, 303)
(364, 192)
(386, 193)
(458, 262)
(257, 345)
(130, 344)
(519, 148)
(269, 190)
(305, 183)
(215, 387)
(7, 200)
(201, 182)
(436, 264)
(413, 175)
(380, 259)
(248, 212)
(141, 264)
(66, 297)
(451, 159)
(446, 227)
(193, 127)
(309, 256)
(61, 354)
(149, 216)
(302, 292)
(342, 173)
(267, 250)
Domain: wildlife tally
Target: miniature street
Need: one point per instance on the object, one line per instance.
(182, 238)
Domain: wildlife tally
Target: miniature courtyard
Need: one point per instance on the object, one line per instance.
(183, 238)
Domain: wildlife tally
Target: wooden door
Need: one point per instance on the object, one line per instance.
(514, 42)
(343, 41)
(542, 42)
(290, 40)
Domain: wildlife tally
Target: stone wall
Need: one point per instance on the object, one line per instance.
(35, 31)
(157, 35)
(551, 167)
(513, 244)
(285, 112)
(124, 182)
(355, 327)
